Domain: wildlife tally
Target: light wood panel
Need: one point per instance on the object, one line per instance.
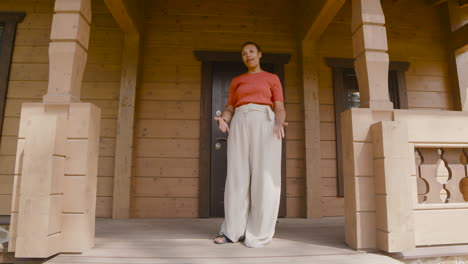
(170, 91)
(168, 110)
(166, 187)
(295, 130)
(173, 129)
(295, 207)
(295, 168)
(333, 206)
(295, 187)
(166, 167)
(105, 186)
(104, 207)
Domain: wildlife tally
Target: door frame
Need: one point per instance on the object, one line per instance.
(208, 58)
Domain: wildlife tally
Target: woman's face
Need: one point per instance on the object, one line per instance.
(251, 56)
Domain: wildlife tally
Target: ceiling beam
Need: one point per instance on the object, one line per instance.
(125, 14)
(323, 19)
(459, 37)
(463, 3)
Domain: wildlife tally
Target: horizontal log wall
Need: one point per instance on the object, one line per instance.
(28, 83)
(416, 33)
(165, 178)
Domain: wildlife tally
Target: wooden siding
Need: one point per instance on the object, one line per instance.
(165, 179)
(28, 83)
(416, 33)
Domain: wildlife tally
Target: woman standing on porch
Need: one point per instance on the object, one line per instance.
(253, 183)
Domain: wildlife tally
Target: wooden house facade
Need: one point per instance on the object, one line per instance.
(119, 96)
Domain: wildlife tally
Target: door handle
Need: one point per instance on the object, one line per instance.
(218, 142)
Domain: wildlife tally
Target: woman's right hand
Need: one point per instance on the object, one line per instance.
(223, 126)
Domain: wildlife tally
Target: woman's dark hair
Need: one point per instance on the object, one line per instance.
(251, 43)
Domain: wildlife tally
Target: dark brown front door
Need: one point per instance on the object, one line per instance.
(222, 74)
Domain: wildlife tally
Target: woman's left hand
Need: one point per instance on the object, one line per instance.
(279, 130)
(280, 117)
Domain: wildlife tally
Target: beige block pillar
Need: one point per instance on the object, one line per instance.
(56, 166)
(392, 170)
(68, 50)
(370, 53)
(312, 129)
(39, 205)
(72, 175)
(80, 177)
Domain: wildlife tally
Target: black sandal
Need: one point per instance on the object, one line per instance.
(224, 239)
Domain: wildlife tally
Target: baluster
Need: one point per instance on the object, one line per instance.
(421, 183)
(428, 171)
(456, 174)
(464, 181)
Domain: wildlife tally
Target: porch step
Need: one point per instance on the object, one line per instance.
(189, 241)
(325, 259)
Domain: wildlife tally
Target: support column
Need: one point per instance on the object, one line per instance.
(126, 15)
(310, 63)
(370, 53)
(53, 208)
(124, 140)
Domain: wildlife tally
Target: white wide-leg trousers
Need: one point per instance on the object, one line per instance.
(253, 183)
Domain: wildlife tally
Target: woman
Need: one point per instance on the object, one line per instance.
(253, 183)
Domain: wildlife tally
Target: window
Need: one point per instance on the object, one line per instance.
(8, 23)
(346, 96)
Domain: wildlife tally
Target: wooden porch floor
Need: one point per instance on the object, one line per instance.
(189, 241)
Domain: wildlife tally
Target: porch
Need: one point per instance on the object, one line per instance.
(126, 89)
(190, 241)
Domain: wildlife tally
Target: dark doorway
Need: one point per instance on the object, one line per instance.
(218, 69)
